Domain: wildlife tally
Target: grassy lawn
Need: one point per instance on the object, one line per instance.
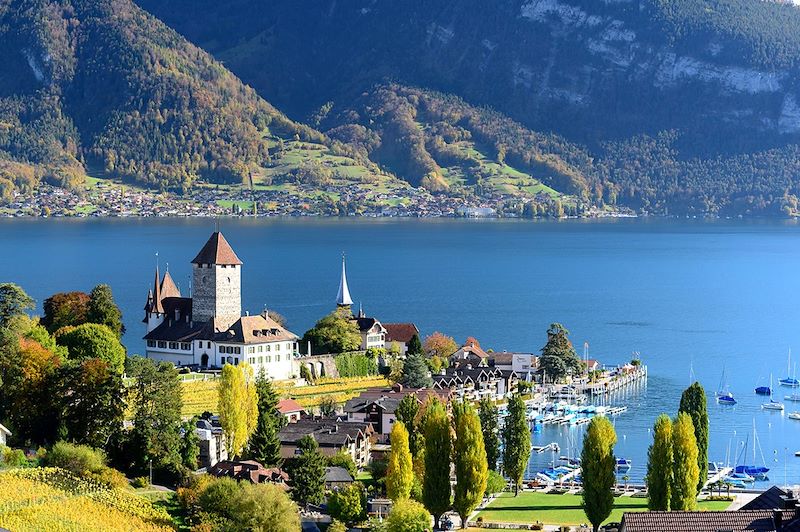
(566, 509)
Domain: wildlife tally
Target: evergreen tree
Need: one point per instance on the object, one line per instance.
(13, 302)
(469, 457)
(685, 471)
(415, 372)
(265, 446)
(516, 441)
(103, 310)
(694, 403)
(558, 357)
(598, 470)
(308, 473)
(436, 483)
(400, 473)
(407, 411)
(491, 440)
(415, 346)
(659, 465)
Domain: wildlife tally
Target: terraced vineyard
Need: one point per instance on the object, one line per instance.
(53, 499)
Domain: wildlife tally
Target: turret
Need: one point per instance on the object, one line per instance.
(216, 283)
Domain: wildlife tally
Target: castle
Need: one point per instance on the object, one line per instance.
(208, 329)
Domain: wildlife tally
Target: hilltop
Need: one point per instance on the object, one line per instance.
(682, 107)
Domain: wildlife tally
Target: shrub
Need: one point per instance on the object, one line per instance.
(336, 526)
(265, 507)
(408, 516)
(343, 459)
(140, 482)
(356, 365)
(110, 477)
(81, 460)
(218, 497)
(348, 504)
(14, 458)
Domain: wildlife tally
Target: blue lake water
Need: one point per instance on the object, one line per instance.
(691, 297)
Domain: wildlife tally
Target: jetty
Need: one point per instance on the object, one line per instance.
(721, 474)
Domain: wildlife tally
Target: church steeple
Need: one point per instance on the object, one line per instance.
(343, 297)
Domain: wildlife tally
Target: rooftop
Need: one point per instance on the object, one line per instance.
(217, 251)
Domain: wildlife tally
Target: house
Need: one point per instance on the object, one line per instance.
(208, 329)
(475, 383)
(332, 435)
(775, 510)
(398, 335)
(290, 409)
(211, 443)
(337, 477)
(4, 435)
(593, 365)
(520, 363)
(251, 471)
(377, 407)
(469, 354)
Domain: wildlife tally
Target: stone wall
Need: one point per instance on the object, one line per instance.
(216, 292)
(319, 365)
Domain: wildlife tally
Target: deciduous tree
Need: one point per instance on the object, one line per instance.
(92, 340)
(237, 405)
(469, 458)
(694, 403)
(13, 302)
(265, 507)
(440, 345)
(348, 504)
(598, 468)
(659, 465)
(400, 473)
(92, 402)
(516, 441)
(335, 333)
(685, 471)
(408, 516)
(489, 415)
(65, 309)
(436, 484)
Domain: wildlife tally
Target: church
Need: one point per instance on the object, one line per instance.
(207, 329)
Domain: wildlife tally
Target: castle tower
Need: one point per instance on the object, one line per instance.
(216, 283)
(343, 297)
(154, 310)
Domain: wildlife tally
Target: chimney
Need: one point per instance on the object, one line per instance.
(177, 314)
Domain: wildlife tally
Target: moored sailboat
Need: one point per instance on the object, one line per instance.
(757, 472)
(790, 380)
(724, 397)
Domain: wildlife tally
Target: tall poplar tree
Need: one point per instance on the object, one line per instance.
(469, 457)
(597, 469)
(685, 471)
(491, 440)
(400, 472)
(436, 484)
(694, 403)
(238, 406)
(407, 411)
(659, 465)
(516, 441)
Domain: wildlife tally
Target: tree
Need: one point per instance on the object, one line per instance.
(348, 504)
(335, 333)
(190, 445)
(685, 471)
(237, 405)
(65, 309)
(408, 516)
(516, 441)
(265, 508)
(343, 459)
(13, 302)
(415, 371)
(491, 441)
(308, 473)
(406, 412)
(440, 345)
(495, 483)
(336, 526)
(327, 406)
(414, 346)
(265, 446)
(92, 402)
(694, 403)
(598, 470)
(659, 465)
(558, 355)
(400, 473)
(469, 457)
(436, 484)
(103, 309)
(156, 397)
(91, 340)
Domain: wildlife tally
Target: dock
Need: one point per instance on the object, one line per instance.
(719, 475)
(539, 449)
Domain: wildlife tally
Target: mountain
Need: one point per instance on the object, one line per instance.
(682, 106)
(101, 84)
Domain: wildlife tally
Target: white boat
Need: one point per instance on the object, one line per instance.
(794, 415)
(797, 453)
(772, 405)
(792, 397)
(724, 397)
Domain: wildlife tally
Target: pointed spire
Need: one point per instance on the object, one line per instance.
(343, 297)
(157, 306)
(168, 287)
(217, 251)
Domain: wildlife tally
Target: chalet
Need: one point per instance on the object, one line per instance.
(476, 383)
(377, 407)
(593, 365)
(469, 354)
(208, 329)
(398, 335)
(332, 435)
(290, 409)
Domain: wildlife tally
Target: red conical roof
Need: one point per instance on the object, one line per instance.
(217, 251)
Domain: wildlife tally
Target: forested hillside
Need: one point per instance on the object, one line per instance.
(681, 105)
(101, 83)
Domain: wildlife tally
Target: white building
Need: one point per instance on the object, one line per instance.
(4, 434)
(208, 330)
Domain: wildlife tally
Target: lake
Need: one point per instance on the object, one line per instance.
(692, 297)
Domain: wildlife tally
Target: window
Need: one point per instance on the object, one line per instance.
(277, 358)
(277, 347)
(151, 343)
(260, 360)
(162, 344)
(289, 347)
(268, 348)
(173, 345)
(238, 350)
(261, 349)
(185, 346)
(269, 359)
